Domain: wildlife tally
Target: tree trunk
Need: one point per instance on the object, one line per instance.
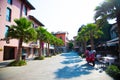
(21, 9)
(54, 49)
(84, 48)
(91, 41)
(19, 53)
(48, 51)
(118, 24)
(39, 50)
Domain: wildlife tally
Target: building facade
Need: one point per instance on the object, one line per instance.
(114, 36)
(10, 10)
(63, 36)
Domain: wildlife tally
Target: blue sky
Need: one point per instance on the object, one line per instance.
(64, 15)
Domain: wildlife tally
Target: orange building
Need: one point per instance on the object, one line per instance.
(63, 36)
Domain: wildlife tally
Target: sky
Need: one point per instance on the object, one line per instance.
(64, 15)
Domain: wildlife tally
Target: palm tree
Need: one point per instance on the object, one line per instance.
(83, 38)
(59, 43)
(110, 9)
(93, 31)
(48, 35)
(23, 31)
(55, 42)
(41, 36)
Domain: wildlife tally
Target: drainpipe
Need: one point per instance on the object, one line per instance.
(21, 9)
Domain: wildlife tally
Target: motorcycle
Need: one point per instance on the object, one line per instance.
(90, 57)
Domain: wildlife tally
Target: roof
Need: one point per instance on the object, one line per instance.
(28, 4)
(34, 19)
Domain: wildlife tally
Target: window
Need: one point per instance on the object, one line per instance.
(8, 14)
(9, 2)
(6, 29)
(25, 10)
(60, 37)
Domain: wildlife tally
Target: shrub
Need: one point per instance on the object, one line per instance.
(113, 71)
(18, 63)
(39, 58)
(54, 54)
(48, 56)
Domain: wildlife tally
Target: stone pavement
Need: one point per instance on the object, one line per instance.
(65, 66)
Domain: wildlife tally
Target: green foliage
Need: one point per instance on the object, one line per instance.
(22, 30)
(109, 9)
(18, 63)
(93, 30)
(113, 71)
(82, 36)
(39, 58)
(70, 45)
(106, 36)
(89, 32)
(41, 33)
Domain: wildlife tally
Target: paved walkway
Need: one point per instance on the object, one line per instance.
(66, 66)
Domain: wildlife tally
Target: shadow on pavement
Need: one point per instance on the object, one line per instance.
(73, 71)
(3, 64)
(71, 61)
(71, 58)
(69, 54)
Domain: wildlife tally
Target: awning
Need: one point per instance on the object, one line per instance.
(112, 43)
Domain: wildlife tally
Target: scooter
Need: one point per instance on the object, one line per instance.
(90, 57)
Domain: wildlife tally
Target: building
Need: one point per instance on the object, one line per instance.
(31, 49)
(64, 37)
(9, 10)
(76, 44)
(114, 36)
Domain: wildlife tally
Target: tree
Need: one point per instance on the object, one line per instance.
(59, 43)
(41, 36)
(23, 31)
(89, 32)
(47, 40)
(70, 46)
(83, 37)
(109, 9)
(93, 31)
(44, 36)
(105, 27)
